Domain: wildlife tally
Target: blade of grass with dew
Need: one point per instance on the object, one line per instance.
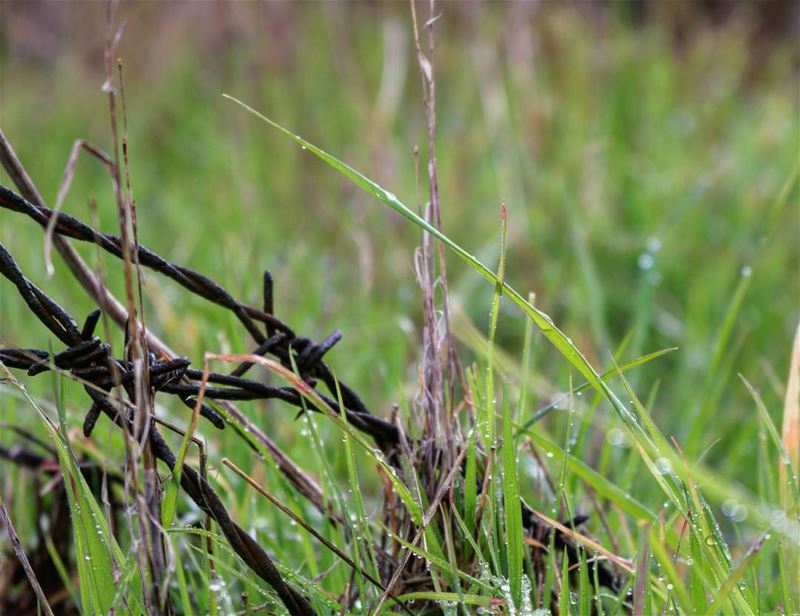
(656, 442)
(527, 347)
(488, 419)
(452, 559)
(565, 599)
(601, 484)
(639, 361)
(629, 418)
(511, 506)
(710, 542)
(787, 470)
(362, 548)
(697, 593)
(450, 597)
(734, 578)
(550, 572)
(561, 496)
(787, 588)
(790, 492)
(670, 469)
(589, 413)
(584, 587)
(546, 326)
(471, 483)
(543, 322)
(668, 567)
(642, 605)
(598, 593)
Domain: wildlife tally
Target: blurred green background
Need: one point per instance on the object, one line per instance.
(646, 156)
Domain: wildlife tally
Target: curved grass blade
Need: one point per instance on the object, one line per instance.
(545, 324)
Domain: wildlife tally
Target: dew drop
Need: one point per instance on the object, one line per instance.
(645, 261)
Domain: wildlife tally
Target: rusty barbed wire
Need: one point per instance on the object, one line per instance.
(86, 356)
(279, 340)
(88, 359)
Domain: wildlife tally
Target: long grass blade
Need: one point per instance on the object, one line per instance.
(511, 506)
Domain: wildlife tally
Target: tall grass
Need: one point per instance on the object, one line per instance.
(642, 214)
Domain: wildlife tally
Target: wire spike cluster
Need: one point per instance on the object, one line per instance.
(277, 339)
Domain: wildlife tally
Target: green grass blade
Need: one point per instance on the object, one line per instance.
(639, 361)
(545, 324)
(511, 506)
(791, 486)
(733, 580)
(641, 588)
(786, 585)
(565, 600)
(489, 421)
(471, 483)
(668, 567)
(584, 587)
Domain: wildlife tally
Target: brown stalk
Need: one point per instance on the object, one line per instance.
(434, 381)
(23, 559)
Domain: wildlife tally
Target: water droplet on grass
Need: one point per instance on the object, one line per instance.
(664, 466)
(653, 244)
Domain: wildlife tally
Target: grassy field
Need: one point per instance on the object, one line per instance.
(652, 196)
